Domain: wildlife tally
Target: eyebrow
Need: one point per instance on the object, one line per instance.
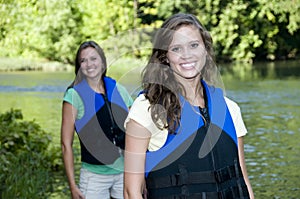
(183, 44)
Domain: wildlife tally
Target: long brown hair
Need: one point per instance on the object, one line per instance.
(160, 85)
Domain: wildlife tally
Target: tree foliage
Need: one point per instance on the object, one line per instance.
(242, 30)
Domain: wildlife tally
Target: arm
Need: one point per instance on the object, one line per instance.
(67, 135)
(241, 131)
(136, 144)
(243, 166)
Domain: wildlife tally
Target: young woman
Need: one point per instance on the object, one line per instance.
(94, 106)
(184, 138)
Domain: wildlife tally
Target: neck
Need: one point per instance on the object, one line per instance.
(191, 86)
(195, 94)
(97, 85)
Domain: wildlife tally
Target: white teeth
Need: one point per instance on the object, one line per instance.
(188, 65)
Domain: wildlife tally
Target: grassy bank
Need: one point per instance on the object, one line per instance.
(22, 64)
(116, 67)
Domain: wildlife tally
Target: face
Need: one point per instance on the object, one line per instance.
(91, 63)
(186, 53)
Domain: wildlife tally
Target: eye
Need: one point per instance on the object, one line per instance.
(82, 60)
(93, 58)
(175, 49)
(194, 45)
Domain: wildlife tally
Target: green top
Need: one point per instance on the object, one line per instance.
(72, 97)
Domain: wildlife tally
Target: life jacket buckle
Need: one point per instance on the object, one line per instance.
(185, 190)
(218, 176)
(224, 174)
(182, 176)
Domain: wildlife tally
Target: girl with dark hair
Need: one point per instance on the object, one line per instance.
(184, 138)
(94, 106)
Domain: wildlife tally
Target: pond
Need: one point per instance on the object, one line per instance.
(268, 94)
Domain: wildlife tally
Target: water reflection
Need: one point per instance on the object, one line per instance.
(270, 104)
(34, 82)
(282, 69)
(41, 88)
(262, 70)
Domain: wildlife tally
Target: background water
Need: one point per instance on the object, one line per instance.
(268, 94)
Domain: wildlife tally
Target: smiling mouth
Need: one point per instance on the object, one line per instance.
(188, 65)
(90, 70)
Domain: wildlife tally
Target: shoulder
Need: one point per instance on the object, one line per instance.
(141, 99)
(236, 116)
(71, 93)
(125, 95)
(120, 87)
(71, 96)
(140, 105)
(140, 113)
(232, 105)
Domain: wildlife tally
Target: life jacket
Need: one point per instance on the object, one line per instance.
(200, 160)
(100, 130)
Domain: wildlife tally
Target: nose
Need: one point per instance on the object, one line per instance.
(88, 63)
(186, 53)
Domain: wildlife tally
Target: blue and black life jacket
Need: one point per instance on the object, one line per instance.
(201, 159)
(100, 130)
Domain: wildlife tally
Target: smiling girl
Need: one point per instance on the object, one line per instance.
(94, 106)
(184, 138)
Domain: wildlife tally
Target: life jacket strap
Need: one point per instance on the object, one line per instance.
(232, 192)
(183, 177)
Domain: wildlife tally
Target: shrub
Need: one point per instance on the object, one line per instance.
(25, 161)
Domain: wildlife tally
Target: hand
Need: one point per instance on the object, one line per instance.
(145, 193)
(76, 193)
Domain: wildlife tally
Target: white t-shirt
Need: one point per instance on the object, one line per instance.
(140, 113)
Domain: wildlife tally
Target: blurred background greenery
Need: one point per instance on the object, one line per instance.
(242, 30)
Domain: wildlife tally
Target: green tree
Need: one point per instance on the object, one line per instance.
(250, 30)
(280, 28)
(40, 29)
(242, 30)
(112, 23)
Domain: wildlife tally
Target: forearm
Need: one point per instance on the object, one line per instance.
(136, 143)
(134, 183)
(69, 165)
(133, 186)
(243, 166)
